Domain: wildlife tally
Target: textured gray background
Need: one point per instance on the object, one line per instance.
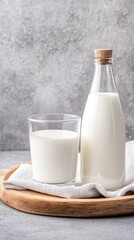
(46, 51)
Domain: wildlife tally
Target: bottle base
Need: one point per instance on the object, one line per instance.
(114, 189)
(106, 187)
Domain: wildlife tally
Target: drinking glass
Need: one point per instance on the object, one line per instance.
(54, 145)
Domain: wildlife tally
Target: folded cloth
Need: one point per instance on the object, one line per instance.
(22, 179)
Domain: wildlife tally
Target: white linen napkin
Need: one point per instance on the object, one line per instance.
(22, 179)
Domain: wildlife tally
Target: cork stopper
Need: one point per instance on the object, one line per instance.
(103, 53)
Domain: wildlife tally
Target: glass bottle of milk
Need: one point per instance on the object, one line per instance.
(103, 128)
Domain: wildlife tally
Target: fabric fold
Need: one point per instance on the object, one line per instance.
(22, 179)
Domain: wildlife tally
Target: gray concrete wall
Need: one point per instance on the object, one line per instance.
(46, 52)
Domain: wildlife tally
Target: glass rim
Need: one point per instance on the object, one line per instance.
(69, 117)
(102, 60)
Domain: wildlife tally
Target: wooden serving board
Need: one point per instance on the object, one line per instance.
(43, 204)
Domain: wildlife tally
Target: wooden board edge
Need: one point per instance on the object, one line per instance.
(6, 172)
(123, 205)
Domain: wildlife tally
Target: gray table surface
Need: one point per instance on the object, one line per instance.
(16, 225)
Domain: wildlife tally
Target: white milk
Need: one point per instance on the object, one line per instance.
(54, 155)
(103, 141)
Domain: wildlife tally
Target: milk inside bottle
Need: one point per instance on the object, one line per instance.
(103, 129)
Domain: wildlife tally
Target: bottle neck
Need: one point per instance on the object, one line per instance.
(103, 80)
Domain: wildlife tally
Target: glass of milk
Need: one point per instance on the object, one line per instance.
(54, 145)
